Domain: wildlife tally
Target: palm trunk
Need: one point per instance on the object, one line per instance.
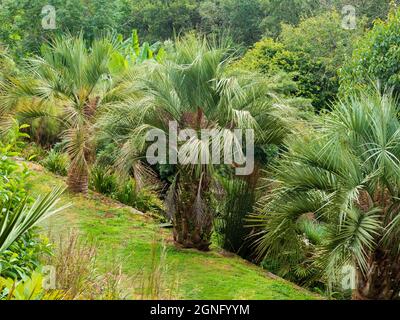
(78, 179)
(193, 219)
(382, 281)
(78, 171)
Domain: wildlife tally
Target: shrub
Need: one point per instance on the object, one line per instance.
(127, 193)
(24, 255)
(103, 180)
(143, 200)
(20, 246)
(14, 136)
(12, 178)
(105, 155)
(16, 215)
(148, 201)
(15, 221)
(56, 162)
(27, 289)
(33, 152)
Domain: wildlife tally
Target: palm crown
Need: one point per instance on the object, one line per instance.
(195, 89)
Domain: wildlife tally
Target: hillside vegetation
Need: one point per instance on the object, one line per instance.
(127, 236)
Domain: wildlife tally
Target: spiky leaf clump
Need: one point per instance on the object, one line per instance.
(344, 178)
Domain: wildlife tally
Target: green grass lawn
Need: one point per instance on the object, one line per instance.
(128, 238)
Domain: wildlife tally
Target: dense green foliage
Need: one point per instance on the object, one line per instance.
(21, 28)
(240, 20)
(21, 21)
(105, 180)
(56, 162)
(24, 255)
(20, 245)
(375, 58)
(311, 53)
(291, 12)
(245, 21)
(369, 9)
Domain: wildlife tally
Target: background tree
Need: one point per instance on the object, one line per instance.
(375, 58)
(161, 20)
(240, 20)
(245, 21)
(290, 12)
(371, 10)
(21, 22)
(311, 53)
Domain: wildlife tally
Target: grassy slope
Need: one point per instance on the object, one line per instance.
(123, 236)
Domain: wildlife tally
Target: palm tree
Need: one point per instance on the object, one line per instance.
(69, 82)
(343, 179)
(194, 88)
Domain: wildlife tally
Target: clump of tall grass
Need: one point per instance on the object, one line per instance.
(157, 283)
(77, 274)
(74, 262)
(124, 190)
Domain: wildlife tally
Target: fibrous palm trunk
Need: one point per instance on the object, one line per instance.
(81, 156)
(193, 219)
(78, 179)
(382, 281)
